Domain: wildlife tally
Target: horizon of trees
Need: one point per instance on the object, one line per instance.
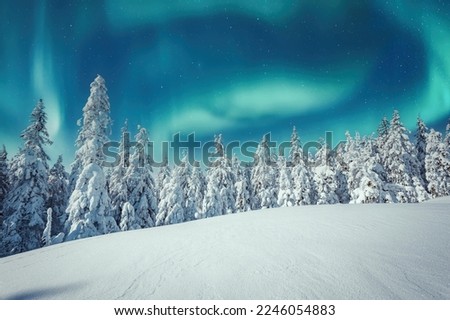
(41, 206)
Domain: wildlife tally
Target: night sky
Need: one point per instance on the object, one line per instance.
(240, 68)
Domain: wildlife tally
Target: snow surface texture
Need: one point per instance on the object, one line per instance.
(389, 251)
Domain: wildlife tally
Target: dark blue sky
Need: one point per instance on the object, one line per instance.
(241, 68)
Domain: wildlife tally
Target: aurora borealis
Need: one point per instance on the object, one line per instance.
(241, 68)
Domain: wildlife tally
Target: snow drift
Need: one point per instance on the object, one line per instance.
(395, 251)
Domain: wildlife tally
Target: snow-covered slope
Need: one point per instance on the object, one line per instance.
(313, 252)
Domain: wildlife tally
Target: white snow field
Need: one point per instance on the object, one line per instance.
(312, 252)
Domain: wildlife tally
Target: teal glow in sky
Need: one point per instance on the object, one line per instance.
(241, 68)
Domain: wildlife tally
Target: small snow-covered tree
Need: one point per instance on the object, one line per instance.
(285, 194)
(421, 147)
(325, 177)
(177, 203)
(47, 234)
(302, 177)
(242, 186)
(163, 178)
(196, 192)
(89, 208)
(58, 196)
(364, 182)
(4, 178)
(184, 173)
(170, 210)
(118, 188)
(220, 193)
(264, 178)
(383, 128)
(140, 183)
(351, 159)
(128, 218)
(24, 205)
(212, 203)
(437, 165)
(341, 169)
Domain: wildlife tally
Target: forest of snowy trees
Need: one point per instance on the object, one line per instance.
(42, 205)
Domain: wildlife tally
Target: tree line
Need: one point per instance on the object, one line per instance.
(42, 205)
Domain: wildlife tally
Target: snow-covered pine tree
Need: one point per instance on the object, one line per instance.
(118, 188)
(325, 177)
(242, 186)
(341, 169)
(58, 196)
(421, 147)
(89, 209)
(383, 127)
(285, 193)
(196, 192)
(264, 178)
(302, 178)
(399, 159)
(24, 205)
(170, 210)
(364, 182)
(4, 179)
(128, 218)
(220, 193)
(437, 165)
(95, 127)
(163, 178)
(351, 159)
(213, 204)
(140, 183)
(184, 173)
(382, 131)
(47, 234)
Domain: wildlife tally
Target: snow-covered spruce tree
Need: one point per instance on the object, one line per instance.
(196, 192)
(437, 165)
(170, 210)
(351, 158)
(184, 173)
(89, 209)
(140, 183)
(364, 182)
(242, 186)
(421, 147)
(302, 177)
(220, 193)
(118, 188)
(285, 193)
(325, 177)
(25, 203)
(383, 127)
(95, 127)
(4, 179)
(163, 178)
(382, 131)
(58, 196)
(399, 159)
(264, 178)
(128, 218)
(341, 169)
